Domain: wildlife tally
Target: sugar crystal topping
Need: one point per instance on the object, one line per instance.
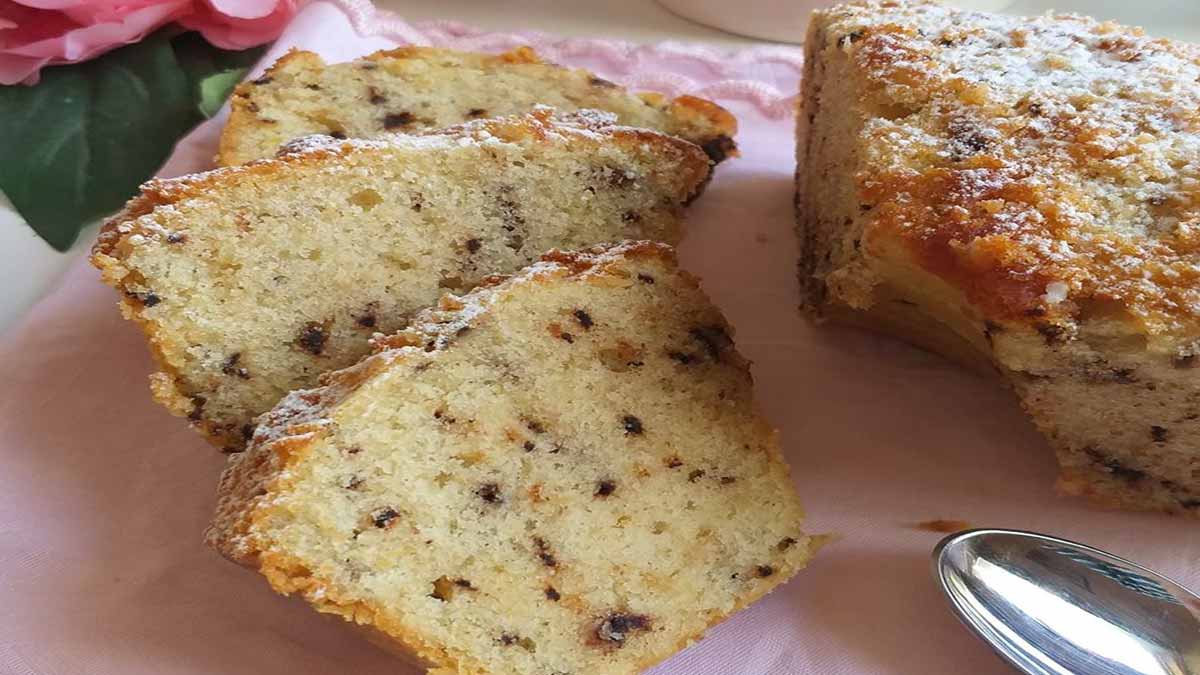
(1019, 154)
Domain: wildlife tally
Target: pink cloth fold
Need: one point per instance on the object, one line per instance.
(103, 495)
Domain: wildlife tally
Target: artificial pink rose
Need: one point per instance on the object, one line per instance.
(36, 33)
(239, 24)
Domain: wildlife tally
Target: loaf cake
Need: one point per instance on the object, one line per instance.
(416, 88)
(561, 472)
(1023, 193)
(251, 281)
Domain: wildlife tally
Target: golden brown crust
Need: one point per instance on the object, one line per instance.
(1012, 213)
(241, 108)
(699, 120)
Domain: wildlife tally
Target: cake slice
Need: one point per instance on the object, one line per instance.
(1023, 193)
(418, 88)
(251, 281)
(562, 472)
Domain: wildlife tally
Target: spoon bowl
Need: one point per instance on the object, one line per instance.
(1054, 607)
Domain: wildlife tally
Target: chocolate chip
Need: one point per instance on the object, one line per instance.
(490, 493)
(529, 446)
(695, 475)
(601, 82)
(785, 543)
(1115, 467)
(728, 480)
(353, 450)
(718, 148)
(384, 517)
(645, 278)
(473, 245)
(463, 583)
(230, 367)
(367, 319)
(632, 425)
(764, 571)
(617, 627)
(398, 120)
(1159, 434)
(714, 339)
(552, 594)
(1124, 375)
(508, 639)
(850, 38)
(570, 339)
(314, 87)
(375, 96)
(148, 298)
(312, 338)
(1051, 333)
(583, 318)
(535, 426)
(990, 329)
(605, 488)
(674, 462)
(543, 552)
(476, 112)
(197, 411)
(682, 357)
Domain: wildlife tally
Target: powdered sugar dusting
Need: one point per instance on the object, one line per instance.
(1058, 147)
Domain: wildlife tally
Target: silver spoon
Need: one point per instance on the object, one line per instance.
(1054, 607)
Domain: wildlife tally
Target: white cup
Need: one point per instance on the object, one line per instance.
(772, 19)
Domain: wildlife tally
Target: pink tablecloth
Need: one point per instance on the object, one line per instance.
(103, 495)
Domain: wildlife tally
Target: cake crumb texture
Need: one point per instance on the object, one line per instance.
(413, 89)
(251, 281)
(561, 472)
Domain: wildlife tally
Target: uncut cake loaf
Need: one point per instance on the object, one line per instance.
(1023, 193)
(251, 281)
(418, 88)
(561, 472)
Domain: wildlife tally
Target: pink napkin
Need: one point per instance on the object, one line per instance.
(103, 495)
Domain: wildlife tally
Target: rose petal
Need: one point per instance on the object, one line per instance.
(20, 62)
(234, 33)
(54, 4)
(89, 13)
(20, 69)
(244, 9)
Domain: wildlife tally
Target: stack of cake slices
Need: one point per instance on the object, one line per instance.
(431, 308)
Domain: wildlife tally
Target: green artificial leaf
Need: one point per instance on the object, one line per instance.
(75, 146)
(213, 72)
(214, 89)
